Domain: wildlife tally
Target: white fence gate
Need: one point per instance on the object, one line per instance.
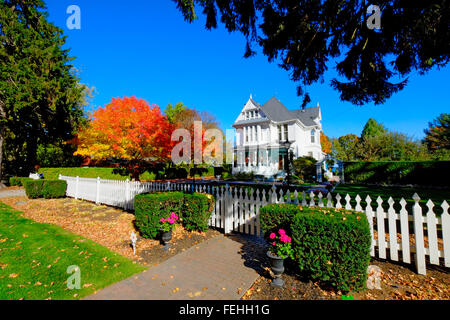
(394, 231)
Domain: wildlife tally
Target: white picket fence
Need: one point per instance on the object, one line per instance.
(237, 209)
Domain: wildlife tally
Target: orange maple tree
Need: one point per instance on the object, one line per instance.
(325, 143)
(128, 129)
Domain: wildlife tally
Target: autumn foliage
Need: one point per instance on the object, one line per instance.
(326, 143)
(130, 129)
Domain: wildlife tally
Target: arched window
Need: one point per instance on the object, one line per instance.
(313, 136)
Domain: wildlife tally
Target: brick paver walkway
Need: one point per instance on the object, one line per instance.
(214, 269)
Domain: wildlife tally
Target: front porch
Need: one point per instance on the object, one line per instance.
(266, 162)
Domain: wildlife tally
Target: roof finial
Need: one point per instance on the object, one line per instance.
(251, 96)
(318, 104)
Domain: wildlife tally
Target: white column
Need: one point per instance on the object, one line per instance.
(259, 133)
(245, 136)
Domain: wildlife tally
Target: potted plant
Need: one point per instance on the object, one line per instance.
(280, 248)
(167, 225)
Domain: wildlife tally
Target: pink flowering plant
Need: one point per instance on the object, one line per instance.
(280, 244)
(169, 223)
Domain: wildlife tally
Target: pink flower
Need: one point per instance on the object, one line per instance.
(281, 232)
(273, 243)
(173, 215)
(171, 221)
(272, 236)
(284, 238)
(162, 220)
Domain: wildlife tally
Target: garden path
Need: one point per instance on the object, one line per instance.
(217, 269)
(7, 193)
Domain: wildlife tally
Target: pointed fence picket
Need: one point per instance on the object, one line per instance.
(425, 238)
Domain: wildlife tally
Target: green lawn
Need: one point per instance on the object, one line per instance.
(34, 258)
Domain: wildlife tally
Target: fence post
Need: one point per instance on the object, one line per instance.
(97, 196)
(127, 193)
(76, 187)
(168, 185)
(273, 195)
(228, 210)
(418, 234)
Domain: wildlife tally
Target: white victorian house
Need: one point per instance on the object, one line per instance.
(265, 133)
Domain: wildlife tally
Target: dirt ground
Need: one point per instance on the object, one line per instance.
(107, 226)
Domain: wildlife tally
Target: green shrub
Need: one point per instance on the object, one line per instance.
(197, 211)
(332, 245)
(194, 209)
(305, 168)
(275, 216)
(17, 181)
(149, 208)
(425, 173)
(44, 188)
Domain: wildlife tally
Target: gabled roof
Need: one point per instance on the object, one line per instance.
(274, 110)
(307, 115)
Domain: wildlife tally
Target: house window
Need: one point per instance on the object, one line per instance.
(286, 135)
(313, 136)
(256, 114)
(310, 154)
(246, 134)
(280, 138)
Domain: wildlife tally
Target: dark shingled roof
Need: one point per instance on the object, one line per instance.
(276, 111)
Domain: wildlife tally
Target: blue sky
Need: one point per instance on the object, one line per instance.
(146, 49)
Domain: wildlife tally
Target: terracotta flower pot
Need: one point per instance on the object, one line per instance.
(277, 265)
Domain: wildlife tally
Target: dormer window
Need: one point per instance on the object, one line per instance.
(313, 136)
(256, 114)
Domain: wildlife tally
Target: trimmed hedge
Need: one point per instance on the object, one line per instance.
(274, 217)
(91, 172)
(17, 181)
(116, 174)
(425, 173)
(330, 245)
(194, 210)
(43, 188)
(197, 211)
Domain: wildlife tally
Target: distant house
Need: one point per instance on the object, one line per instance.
(265, 133)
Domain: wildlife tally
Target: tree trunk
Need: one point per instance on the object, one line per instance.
(2, 138)
(1, 154)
